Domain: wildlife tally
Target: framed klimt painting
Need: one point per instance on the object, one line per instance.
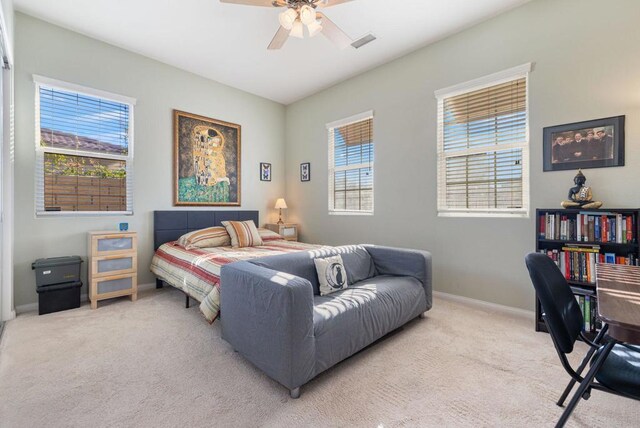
(206, 161)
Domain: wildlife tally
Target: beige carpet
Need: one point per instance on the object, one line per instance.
(154, 363)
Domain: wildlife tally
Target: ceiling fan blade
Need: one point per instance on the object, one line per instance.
(264, 3)
(332, 32)
(329, 3)
(279, 39)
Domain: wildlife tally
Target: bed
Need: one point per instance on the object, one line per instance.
(196, 272)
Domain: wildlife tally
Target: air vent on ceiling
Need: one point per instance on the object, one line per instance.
(363, 41)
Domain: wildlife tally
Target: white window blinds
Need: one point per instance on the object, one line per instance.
(351, 165)
(84, 150)
(483, 146)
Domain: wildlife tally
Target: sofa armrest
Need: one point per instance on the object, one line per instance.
(267, 316)
(404, 262)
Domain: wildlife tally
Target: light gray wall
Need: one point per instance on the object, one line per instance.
(587, 63)
(7, 11)
(51, 51)
(6, 173)
(587, 66)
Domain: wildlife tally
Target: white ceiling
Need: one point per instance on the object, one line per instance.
(227, 42)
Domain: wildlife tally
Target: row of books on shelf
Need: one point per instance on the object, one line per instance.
(589, 307)
(588, 227)
(578, 263)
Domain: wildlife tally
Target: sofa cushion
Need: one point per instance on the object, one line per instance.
(358, 263)
(299, 264)
(348, 320)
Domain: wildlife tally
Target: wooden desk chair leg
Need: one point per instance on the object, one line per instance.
(586, 383)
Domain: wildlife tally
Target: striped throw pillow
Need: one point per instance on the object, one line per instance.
(205, 238)
(269, 235)
(243, 233)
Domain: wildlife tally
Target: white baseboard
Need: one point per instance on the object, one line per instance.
(9, 317)
(486, 305)
(33, 307)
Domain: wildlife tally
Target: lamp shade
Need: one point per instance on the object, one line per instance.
(307, 14)
(297, 30)
(287, 18)
(281, 204)
(314, 28)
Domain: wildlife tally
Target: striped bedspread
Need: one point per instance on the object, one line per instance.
(197, 271)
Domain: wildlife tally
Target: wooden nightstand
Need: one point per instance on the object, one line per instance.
(288, 231)
(113, 266)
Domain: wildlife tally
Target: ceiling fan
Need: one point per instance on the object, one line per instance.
(301, 13)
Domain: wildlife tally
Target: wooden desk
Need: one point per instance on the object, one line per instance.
(619, 307)
(619, 301)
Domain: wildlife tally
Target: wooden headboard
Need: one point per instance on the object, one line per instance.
(170, 225)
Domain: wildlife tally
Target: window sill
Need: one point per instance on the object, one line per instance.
(365, 213)
(523, 215)
(53, 214)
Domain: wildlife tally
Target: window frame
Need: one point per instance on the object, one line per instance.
(333, 169)
(520, 72)
(40, 81)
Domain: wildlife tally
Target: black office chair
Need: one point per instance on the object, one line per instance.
(619, 373)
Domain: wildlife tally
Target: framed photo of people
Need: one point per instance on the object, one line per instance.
(591, 144)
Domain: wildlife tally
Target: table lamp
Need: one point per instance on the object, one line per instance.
(280, 205)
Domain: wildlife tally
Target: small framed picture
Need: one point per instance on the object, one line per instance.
(592, 144)
(265, 171)
(305, 171)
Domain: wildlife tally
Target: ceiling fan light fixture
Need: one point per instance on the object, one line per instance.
(307, 14)
(297, 30)
(314, 28)
(288, 18)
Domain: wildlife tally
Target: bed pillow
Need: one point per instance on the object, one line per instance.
(268, 235)
(205, 238)
(243, 233)
(332, 275)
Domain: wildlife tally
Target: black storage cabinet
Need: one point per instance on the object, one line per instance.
(58, 283)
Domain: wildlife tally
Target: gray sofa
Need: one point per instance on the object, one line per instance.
(272, 312)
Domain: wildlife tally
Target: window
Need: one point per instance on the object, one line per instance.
(84, 150)
(483, 146)
(351, 165)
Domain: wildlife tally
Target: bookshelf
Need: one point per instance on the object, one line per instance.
(577, 240)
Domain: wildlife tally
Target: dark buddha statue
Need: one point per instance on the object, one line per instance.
(580, 196)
